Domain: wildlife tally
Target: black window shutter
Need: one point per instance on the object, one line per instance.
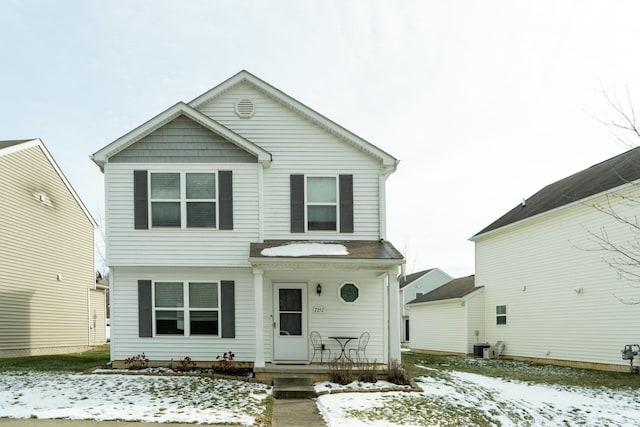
(346, 203)
(140, 200)
(228, 308)
(144, 308)
(225, 187)
(297, 203)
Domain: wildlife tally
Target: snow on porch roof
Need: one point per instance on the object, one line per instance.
(350, 249)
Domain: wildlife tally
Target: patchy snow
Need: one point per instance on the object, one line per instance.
(150, 398)
(305, 249)
(465, 399)
(446, 398)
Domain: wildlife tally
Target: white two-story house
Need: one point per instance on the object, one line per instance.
(242, 221)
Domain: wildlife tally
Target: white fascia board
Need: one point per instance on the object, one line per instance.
(545, 214)
(180, 109)
(38, 143)
(389, 162)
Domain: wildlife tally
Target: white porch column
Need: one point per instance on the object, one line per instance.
(394, 315)
(258, 291)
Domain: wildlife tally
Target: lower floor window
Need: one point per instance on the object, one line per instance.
(186, 308)
(501, 314)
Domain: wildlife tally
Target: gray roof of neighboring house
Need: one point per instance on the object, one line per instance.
(5, 144)
(611, 173)
(456, 288)
(405, 280)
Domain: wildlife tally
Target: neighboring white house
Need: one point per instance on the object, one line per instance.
(413, 286)
(449, 319)
(49, 301)
(550, 294)
(241, 222)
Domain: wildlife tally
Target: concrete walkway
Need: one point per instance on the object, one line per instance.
(286, 413)
(296, 413)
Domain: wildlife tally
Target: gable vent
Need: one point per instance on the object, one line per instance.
(245, 108)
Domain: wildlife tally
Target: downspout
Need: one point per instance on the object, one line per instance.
(382, 208)
(88, 317)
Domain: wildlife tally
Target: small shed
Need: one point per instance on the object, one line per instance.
(449, 319)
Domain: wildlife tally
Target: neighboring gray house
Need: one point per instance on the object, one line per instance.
(414, 285)
(243, 221)
(449, 319)
(49, 302)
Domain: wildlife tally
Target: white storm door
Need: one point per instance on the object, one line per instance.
(290, 322)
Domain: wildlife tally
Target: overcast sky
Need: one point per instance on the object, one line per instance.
(483, 102)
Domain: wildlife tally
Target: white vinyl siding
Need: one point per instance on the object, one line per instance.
(327, 314)
(439, 327)
(180, 247)
(299, 146)
(40, 242)
(536, 268)
(124, 307)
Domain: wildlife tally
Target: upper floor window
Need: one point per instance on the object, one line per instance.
(183, 200)
(322, 203)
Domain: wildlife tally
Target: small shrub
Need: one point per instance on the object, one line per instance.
(184, 365)
(397, 375)
(224, 363)
(137, 362)
(340, 371)
(367, 372)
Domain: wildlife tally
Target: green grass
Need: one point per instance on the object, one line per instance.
(522, 371)
(75, 362)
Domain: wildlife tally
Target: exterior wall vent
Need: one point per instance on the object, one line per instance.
(245, 108)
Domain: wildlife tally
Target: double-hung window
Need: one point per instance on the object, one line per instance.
(183, 200)
(501, 314)
(186, 308)
(322, 203)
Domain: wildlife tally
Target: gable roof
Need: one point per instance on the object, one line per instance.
(244, 76)
(13, 146)
(456, 288)
(101, 156)
(614, 172)
(406, 280)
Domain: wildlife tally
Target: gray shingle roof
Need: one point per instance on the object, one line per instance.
(405, 280)
(611, 173)
(357, 249)
(6, 144)
(456, 288)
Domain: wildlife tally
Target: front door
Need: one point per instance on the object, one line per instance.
(290, 323)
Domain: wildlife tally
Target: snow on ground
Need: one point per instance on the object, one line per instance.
(150, 398)
(465, 399)
(446, 399)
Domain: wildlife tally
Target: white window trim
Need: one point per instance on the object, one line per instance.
(185, 308)
(307, 203)
(183, 200)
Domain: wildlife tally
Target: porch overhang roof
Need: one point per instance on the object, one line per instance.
(292, 254)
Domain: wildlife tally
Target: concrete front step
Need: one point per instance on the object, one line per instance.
(293, 387)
